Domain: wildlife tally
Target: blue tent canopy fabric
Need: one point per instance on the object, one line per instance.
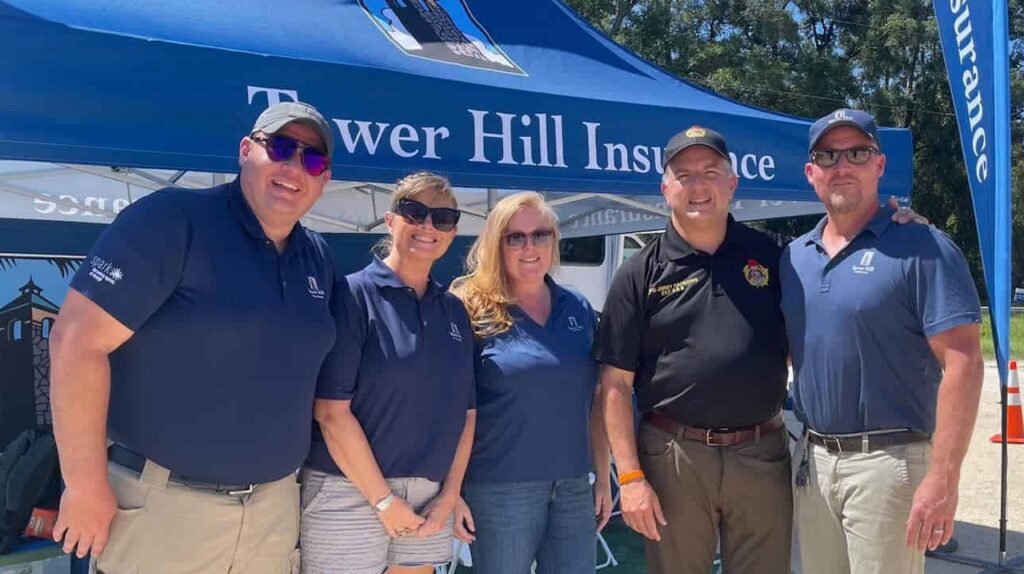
(522, 95)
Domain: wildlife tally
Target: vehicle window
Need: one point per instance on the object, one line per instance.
(582, 250)
(629, 247)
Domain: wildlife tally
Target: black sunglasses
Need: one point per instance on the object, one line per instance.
(282, 148)
(539, 238)
(830, 157)
(442, 218)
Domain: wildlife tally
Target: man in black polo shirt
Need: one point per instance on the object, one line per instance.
(191, 338)
(692, 325)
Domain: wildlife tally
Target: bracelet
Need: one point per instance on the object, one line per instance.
(385, 502)
(630, 476)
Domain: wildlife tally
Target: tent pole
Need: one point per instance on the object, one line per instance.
(1001, 565)
(1002, 486)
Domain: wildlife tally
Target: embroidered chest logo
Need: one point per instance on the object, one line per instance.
(314, 289)
(755, 273)
(453, 331)
(105, 271)
(672, 288)
(574, 325)
(865, 266)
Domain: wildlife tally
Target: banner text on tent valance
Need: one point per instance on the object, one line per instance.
(502, 138)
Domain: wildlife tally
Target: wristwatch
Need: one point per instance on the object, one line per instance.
(384, 503)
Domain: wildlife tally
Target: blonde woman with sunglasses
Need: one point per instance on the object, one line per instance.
(395, 404)
(528, 494)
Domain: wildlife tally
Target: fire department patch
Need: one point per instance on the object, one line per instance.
(696, 132)
(755, 273)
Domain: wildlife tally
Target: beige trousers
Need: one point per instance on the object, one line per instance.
(852, 514)
(165, 527)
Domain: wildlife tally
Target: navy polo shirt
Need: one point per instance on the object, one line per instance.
(217, 381)
(534, 390)
(407, 366)
(859, 324)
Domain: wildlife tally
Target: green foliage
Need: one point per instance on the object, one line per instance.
(808, 57)
(988, 348)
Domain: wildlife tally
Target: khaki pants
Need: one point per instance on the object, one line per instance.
(852, 514)
(739, 496)
(162, 526)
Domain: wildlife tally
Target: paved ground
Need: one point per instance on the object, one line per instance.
(977, 528)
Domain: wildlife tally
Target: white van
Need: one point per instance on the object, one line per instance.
(589, 263)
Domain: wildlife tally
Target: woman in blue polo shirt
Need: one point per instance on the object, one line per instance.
(528, 487)
(394, 404)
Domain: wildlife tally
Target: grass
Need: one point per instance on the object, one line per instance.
(1016, 337)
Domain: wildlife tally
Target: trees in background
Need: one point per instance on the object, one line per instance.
(808, 57)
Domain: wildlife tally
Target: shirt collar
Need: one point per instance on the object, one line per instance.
(383, 276)
(251, 224)
(557, 291)
(876, 225)
(674, 247)
(881, 221)
(558, 297)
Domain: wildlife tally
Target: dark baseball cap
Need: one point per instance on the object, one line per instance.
(695, 135)
(861, 120)
(279, 115)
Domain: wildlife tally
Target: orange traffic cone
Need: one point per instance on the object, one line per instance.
(1014, 420)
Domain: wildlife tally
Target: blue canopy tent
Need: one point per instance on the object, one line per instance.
(121, 97)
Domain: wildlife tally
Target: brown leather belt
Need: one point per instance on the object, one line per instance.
(714, 437)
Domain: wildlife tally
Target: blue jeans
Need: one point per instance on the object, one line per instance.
(551, 522)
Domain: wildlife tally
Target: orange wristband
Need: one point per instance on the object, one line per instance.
(630, 476)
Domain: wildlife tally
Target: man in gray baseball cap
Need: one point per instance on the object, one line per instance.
(184, 363)
(279, 115)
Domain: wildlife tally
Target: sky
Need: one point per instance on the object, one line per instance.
(44, 274)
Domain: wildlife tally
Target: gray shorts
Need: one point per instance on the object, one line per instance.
(341, 534)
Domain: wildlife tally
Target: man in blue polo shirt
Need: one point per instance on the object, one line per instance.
(190, 343)
(883, 323)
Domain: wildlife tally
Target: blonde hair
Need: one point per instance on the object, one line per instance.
(485, 289)
(410, 187)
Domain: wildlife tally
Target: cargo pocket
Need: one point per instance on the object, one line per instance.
(126, 541)
(294, 562)
(903, 479)
(122, 553)
(313, 485)
(776, 446)
(653, 442)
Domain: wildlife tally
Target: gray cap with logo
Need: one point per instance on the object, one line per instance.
(279, 115)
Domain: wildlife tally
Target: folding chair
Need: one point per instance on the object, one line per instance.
(609, 555)
(460, 553)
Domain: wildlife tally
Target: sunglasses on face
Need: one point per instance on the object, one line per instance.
(539, 238)
(442, 218)
(282, 148)
(830, 157)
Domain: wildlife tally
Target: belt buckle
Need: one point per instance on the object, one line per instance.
(247, 490)
(707, 439)
(835, 440)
